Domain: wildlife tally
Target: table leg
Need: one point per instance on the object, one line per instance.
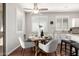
(61, 48)
(65, 48)
(36, 48)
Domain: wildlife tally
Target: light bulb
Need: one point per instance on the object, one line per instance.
(1, 29)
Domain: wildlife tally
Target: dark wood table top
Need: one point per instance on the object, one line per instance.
(69, 41)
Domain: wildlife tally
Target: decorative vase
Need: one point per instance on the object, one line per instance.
(42, 33)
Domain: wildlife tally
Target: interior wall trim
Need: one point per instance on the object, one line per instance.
(4, 29)
(7, 54)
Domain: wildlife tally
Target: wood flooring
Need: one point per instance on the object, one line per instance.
(30, 52)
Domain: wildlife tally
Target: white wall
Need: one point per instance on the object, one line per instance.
(12, 41)
(28, 24)
(1, 22)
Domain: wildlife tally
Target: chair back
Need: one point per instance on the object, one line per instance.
(52, 45)
(21, 40)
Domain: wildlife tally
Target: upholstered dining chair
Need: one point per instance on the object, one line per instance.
(50, 47)
(25, 44)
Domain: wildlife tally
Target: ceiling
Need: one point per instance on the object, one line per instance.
(54, 7)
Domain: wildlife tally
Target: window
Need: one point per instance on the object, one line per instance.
(39, 22)
(65, 23)
(61, 23)
(75, 22)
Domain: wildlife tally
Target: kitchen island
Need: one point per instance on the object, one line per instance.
(68, 37)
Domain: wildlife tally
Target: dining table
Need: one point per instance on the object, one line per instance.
(36, 40)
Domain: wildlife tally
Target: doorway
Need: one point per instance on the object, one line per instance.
(2, 29)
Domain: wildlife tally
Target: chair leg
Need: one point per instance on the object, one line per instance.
(33, 50)
(55, 53)
(22, 52)
(61, 48)
(48, 54)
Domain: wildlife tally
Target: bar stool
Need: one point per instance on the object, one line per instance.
(66, 44)
(76, 47)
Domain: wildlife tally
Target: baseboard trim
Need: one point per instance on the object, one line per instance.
(12, 50)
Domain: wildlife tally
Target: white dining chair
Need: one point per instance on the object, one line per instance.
(50, 47)
(25, 44)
